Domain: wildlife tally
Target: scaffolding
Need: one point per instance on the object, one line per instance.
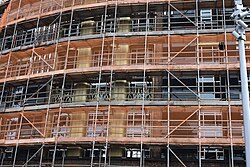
(120, 83)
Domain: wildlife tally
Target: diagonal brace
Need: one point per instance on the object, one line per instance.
(32, 125)
(182, 49)
(33, 156)
(183, 15)
(43, 60)
(182, 122)
(58, 3)
(176, 156)
(36, 91)
(183, 83)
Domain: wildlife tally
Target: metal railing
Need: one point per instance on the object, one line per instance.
(80, 124)
(48, 34)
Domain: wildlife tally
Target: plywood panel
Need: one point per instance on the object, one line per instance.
(120, 91)
(78, 124)
(49, 125)
(88, 27)
(81, 91)
(74, 152)
(117, 123)
(84, 57)
(116, 152)
(122, 55)
(124, 24)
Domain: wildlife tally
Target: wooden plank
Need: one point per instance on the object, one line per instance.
(127, 140)
(117, 69)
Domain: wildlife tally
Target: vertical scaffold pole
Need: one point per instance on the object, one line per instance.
(239, 14)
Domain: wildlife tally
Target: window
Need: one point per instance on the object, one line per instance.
(211, 54)
(39, 66)
(178, 92)
(8, 42)
(235, 88)
(75, 29)
(239, 155)
(97, 124)
(212, 87)
(18, 96)
(211, 124)
(207, 87)
(138, 56)
(9, 152)
(140, 24)
(63, 129)
(47, 33)
(28, 131)
(134, 153)
(105, 60)
(212, 153)
(137, 153)
(37, 94)
(60, 153)
(98, 152)
(29, 37)
(12, 126)
(19, 90)
(206, 18)
(178, 21)
(135, 127)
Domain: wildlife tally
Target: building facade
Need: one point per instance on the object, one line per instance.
(120, 83)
